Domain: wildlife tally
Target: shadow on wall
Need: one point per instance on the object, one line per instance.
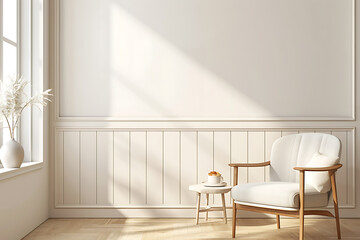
(154, 75)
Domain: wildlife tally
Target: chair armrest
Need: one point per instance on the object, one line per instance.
(332, 168)
(262, 164)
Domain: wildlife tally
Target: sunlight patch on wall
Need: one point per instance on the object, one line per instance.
(152, 78)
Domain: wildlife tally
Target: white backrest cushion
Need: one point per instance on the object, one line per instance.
(297, 150)
(320, 180)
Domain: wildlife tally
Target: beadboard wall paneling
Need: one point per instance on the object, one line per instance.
(88, 169)
(155, 165)
(138, 168)
(121, 168)
(71, 171)
(105, 168)
(132, 168)
(189, 165)
(171, 173)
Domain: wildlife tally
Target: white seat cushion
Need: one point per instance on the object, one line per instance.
(280, 194)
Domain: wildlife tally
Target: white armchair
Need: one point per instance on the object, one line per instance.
(290, 192)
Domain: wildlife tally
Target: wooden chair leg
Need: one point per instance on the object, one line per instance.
(301, 212)
(224, 207)
(278, 221)
(234, 220)
(336, 208)
(198, 207)
(235, 181)
(207, 204)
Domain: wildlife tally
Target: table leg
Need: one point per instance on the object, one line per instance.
(198, 207)
(224, 206)
(207, 205)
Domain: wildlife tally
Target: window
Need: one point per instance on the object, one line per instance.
(16, 55)
(22, 25)
(10, 50)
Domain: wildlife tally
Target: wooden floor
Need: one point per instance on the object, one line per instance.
(101, 229)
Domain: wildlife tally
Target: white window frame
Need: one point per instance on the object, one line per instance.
(31, 65)
(17, 45)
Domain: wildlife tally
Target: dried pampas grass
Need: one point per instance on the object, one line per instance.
(13, 101)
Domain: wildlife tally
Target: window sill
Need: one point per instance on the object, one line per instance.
(25, 167)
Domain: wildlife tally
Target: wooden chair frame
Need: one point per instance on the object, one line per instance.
(299, 213)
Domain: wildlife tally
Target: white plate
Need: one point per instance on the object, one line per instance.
(206, 184)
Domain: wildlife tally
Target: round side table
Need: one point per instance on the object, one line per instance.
(199, 189)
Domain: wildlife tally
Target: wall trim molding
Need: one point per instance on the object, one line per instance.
(203, 129)
(60, 118)
(228, 206)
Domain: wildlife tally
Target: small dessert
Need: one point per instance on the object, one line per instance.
(214, 173)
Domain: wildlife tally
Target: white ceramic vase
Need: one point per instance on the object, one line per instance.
(12, 154)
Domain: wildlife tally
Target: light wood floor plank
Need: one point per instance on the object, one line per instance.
(149, 229)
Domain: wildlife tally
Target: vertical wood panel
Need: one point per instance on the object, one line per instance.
(270, 138)
(171, 168)
(71, 168)
(239, 154)
(59, 167)
(304, 131)
(341, 180)
(121, 168)
(255, 155)
(350, 170)
(138, 168)
(205, 156)
(323, 131)
(105, 168)
(154, 168)
(288, 132)
(88, 168)
(222, 159)
(188, 166)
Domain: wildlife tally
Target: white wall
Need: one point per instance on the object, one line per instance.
(206, 59)
(24, 203)
(182, 70)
